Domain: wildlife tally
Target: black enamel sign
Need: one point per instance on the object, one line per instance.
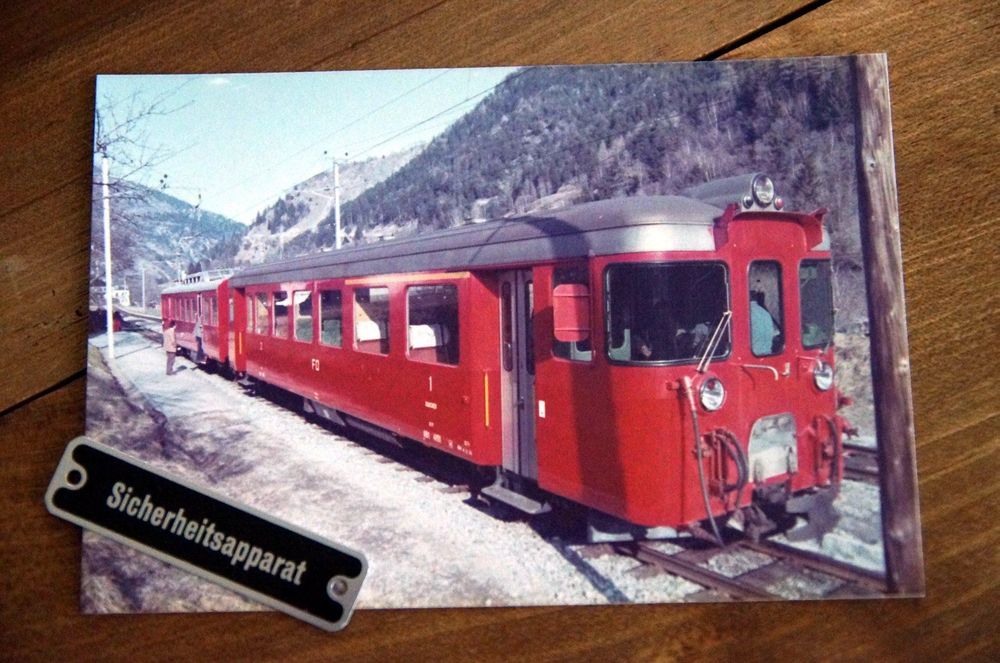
(265, 559)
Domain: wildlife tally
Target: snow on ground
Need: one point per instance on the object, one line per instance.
(857, 538)
(425, 547)
(427, 544)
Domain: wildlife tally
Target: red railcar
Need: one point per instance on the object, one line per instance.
(654, 359)
(200, 297)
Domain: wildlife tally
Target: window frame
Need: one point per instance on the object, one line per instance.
(274, 314)
(266, 304)
(605, 295)
(294, 318)
(458, 324)
(340, 307)
(833, 309)
(552, 346)
(782, 324)
(356, 318)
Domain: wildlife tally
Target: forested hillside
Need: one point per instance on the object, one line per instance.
(154, 232)
(550, 136)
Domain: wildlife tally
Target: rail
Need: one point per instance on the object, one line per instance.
(758, 583)
(861, 463)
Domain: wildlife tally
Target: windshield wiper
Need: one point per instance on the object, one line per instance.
(714, 341)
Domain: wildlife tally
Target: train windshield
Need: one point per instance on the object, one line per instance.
(816, 295)
(661, 313)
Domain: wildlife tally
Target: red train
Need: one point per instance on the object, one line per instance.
(651, 359)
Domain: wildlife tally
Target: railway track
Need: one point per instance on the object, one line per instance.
(776, 566)
(694, 561)
(860, 463)
(144, 323)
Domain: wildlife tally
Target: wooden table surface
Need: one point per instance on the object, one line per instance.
(943, 65)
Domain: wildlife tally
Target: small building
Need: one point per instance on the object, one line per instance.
(120, 294)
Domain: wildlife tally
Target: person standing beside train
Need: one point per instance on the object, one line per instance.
(199, 358)
(170, 345)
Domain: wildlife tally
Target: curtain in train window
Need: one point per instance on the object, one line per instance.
(303, 315)
(261, 326)
(280, 298)
(371, 320)
(432, 327)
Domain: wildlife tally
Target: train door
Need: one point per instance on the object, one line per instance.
(239, 317)
(518, 373)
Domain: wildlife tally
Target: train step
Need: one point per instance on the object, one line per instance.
(516, 500)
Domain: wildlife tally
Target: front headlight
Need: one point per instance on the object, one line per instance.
(712, 394)
(823, 376)
(763, 190)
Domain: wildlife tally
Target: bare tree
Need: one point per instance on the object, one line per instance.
(122, 135)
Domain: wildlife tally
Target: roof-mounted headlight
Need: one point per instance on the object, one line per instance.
(763, 190)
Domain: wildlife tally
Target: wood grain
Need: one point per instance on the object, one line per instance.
(942, 59)
(878, 212)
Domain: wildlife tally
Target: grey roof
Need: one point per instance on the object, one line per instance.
(198, 286)
(606, 227)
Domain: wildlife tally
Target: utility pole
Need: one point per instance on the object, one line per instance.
(108, 299)
(336, 199)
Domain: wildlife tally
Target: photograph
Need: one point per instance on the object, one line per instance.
(539, 335)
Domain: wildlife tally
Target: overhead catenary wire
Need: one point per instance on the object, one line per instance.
(327, 137)
(397, 134)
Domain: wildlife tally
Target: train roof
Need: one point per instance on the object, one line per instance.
(198, 282)
(605, 227)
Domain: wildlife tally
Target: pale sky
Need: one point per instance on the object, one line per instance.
(242, 139)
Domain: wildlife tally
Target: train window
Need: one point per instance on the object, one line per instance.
(766, 318)
(432, 323)
(261, 324)
(303, 315)
(659, 313)
(371, 320)
(280, 299)
(330, 318)
(210, 312)
(580, 350)
(250, 313)
(507, 320)
(816, 300)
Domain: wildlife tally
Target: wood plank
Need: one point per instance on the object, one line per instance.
(890, 362)
(47, 102)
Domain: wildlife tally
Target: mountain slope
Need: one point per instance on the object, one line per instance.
(156, 232)
(555, 136)
(300, 209)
